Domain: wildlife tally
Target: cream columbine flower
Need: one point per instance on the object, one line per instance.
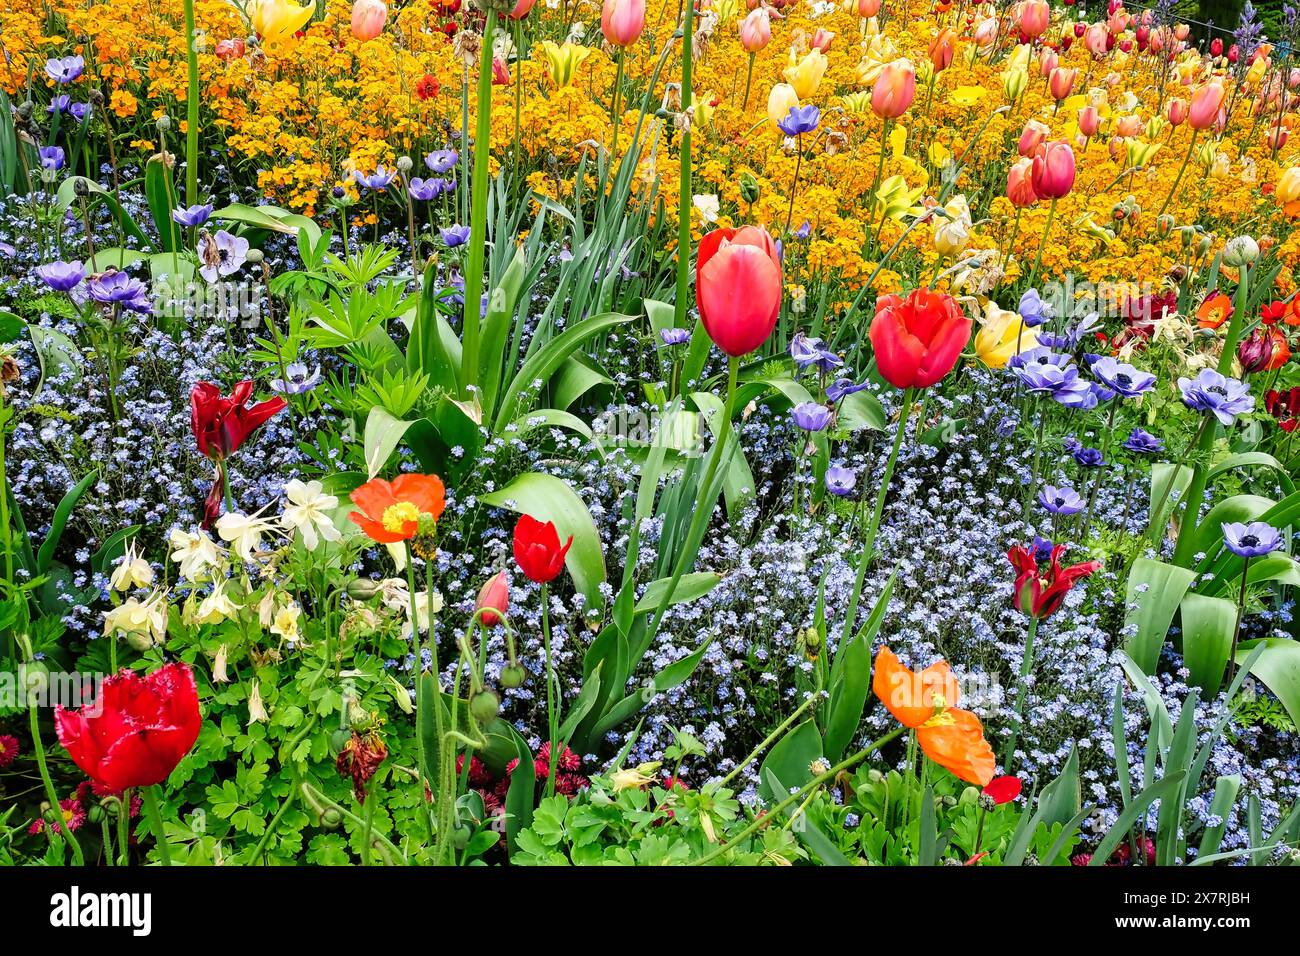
(219, 675)
(244, 532)
(708, 206)
(196, 554)
(131, 571)
(143, 619)
(424, 607)
(216, 607)
(285, 624)
(308, 512)
(256, 709)
(633, 778)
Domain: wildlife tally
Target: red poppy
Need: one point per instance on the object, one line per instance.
(917, 340)
(538, 550)
(139, 731)
(738, 287)
(1003, 789)
(1040, 596)
(1273, 312)
(222, 424)
(426, 87)
(390, 511)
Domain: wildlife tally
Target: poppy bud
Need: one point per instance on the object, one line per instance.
(512, 676)
(1164, 225)
(484, 706)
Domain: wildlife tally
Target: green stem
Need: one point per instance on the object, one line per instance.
(478, 210)
(152, 808)
(1026, 665)
(684, 186)
(191, 110)
(551, 692)
(770, 738)
(869, 538)
(1042, 244)
(749, 79)
(798, 795)
(51, 794)
(1179, 178)
(1241, 610)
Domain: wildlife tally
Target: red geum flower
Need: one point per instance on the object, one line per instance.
(1039, 596)
(1003, 789)
(738, 287)
(140, 729)
(917, 340)
(493, 599)
(426, 87)
(538, 550)
(222, 424)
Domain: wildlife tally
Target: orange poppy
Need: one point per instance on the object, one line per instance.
(911, 697)
(390, 511)
(951, 737)
(1292, 316)
(1214, 311)
(1281, 350)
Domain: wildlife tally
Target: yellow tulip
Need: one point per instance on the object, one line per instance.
(276, 21)
(779, 103)
(726, 11)
(564, 60)
(806, 75)
(704, 109)
(894, 200)
(879, 51)
(859, 101)
(1139, 153)
(1002, 334)
(1288, 186)
(1014, 82)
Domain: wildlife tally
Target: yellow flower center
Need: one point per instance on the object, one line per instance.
(397, 516)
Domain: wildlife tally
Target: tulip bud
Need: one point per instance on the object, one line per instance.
(1240, 251)
(493, 599)
(749, 188)
(1255, 351)
(1014, 83)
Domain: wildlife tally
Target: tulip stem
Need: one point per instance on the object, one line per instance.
(1179, 178)
(1026, 665)
(684, 185)
(613, 103)
(869, 538)
(554, 762)
(51, 794)
(191, 110)
(152, 807)
(749, 79)
(798, 795)
(1042, 243)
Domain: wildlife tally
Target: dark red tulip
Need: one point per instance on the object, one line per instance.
(538, 550)
(140, 729)
(917, 340)
(222, 424)
(1040, 596)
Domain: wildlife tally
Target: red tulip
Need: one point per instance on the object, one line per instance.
(1003, 789)
(1053, 171)
(738, 287)
(1039, 596)
(538, 550)
(917, 340)
(139, 730)
(493, 599)
(222, 424)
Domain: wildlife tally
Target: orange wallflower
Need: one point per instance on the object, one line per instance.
(951, 737)
(391, 511)
(1214, 311)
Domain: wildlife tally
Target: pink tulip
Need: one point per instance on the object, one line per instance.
(1089, 121)
(1061, 82)
(521, 10)
(1032, 139)
(622, 21)
(1277, 137)
(894, 90)
(1128, 126)
(1020, 186)
(756, 30)
(1177, 112)
(1206, 101)
(868, 8)
(1053, 171)
(1047, 62)
(1097, 39)
(500, 72)
(821, 40)
(1293, 78)
(986, 32)
(368, 18)
(1116, 147)
(1033, 18)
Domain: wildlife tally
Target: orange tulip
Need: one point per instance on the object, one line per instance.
(894, 89)
(391, 511)
(1020, 186)
(942, 49)
(951, 737)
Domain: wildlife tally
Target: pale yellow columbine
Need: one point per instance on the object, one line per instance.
(276, 21)
(880, 50)
(633, 778)
(256, 709)
(894, 199)
(285, 624)
(563, 61)
(196, 553)
(131, 571)
(307, 512)
(952, 231)
(145, 620)
(780, 101)
(244, 532)
(1002, 333)
(219, 675)
(805, 74)
(425, 607)
(215, 607)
